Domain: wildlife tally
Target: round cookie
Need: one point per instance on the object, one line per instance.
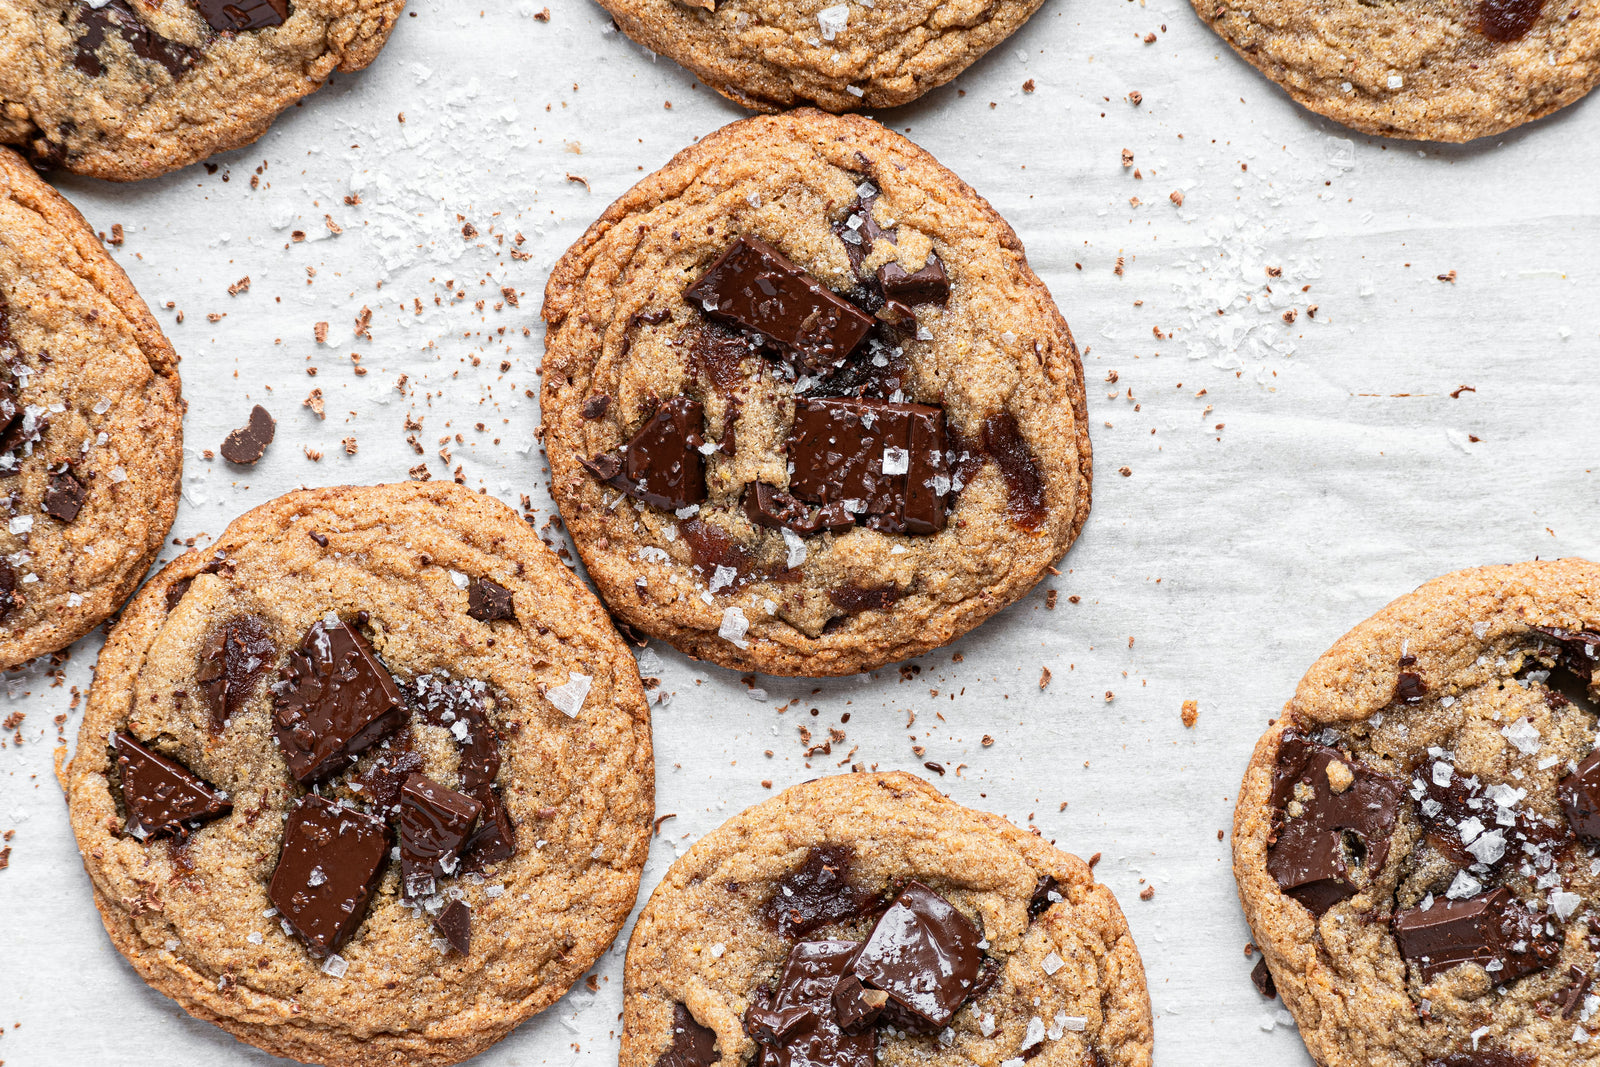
(1430, 70)
(368, 783)
(1413, 839)
(900, 920)
(769, 55)
(91, 424)
(129, 89)
(807, 408)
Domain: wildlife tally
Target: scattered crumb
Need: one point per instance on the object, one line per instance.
(1191, 712)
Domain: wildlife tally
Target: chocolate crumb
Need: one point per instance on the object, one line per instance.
(249, 443)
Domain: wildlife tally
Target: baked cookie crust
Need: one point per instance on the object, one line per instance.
(193, 912)
(626, 341)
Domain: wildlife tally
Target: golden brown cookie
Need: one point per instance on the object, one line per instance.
(808, 409)
(898, 920)
(91, 424)
(128, 89)
(836, 56)
(368, 783)
(1431, 70)
(1413, 840)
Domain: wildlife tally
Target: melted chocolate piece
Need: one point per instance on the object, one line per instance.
(810, 979)
(859, 240)
(1409, 688)
(1579, 793)
(10, 599)
(488, 601)
(925, 955)
(1580, 649)
(118, 18)
(930, 285)
(64, 496)
(1484, 1057)
(161, 795)
(1483, 930)
(773, 1026)
(1570, 999)
(842, 448)
(333, 700)
(1508, 20)
(855, 1006)
(238, 16)
(662, 465)
(1309, 858)
(496, 839)
(249, 442)
(442, 702)
(716, 356)
(176, 590)
(1040, 902)
(772, 508)
(328, 871)
(454, 924)
(692, 1045)
(380, 783)
(232, 660)
(753, 286)
(434, 825)
(1448, 812)
(1025, 488)
(852, 598)
(1262, 977)
(596, 406)
(711, 547)
(818, 894)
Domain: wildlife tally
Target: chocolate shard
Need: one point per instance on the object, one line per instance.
(381, 782)
(161, 795)
(1262, 978)
(118, 18)
(328, 871)
(773, 508)
(64, 496)
(1493, 930)
(233, 659)
(855, 1006)
(333, 700)
(662, 465)
(595, 406)
(853, 599)
(454, 924)
(10, 599)
(249, 442)
(489, 601)
(1464, 823)
(1579, 793)
(435, 823)
(884, 462)
(1484, 1057)
(810, 978)
(1580, 649)
(1570, 998)
(239, 16)
(1309, 857)
(1409, 688)
(1508, 20)
(458, 706)
(1046, 891)
(925, 955)
(753, 286)
(1025, 489)
(692, 1045)
(930, 285)
(818, 893)
(496, 838)
(774, 1026)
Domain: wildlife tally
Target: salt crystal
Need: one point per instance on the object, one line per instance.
(717, 950)
(335, 966)
(570, 697)
(1563, 904)
(22, 524)
(1035, 1033)
(986, 1025)
(1463, 887)
(1490, 847)
(1524, 735)
(1442, 773)
(1052, 963)
(796, 546)
(832, 20)
(734, 627)
(854, 91)
(724, 578)
(317, 877)
(254, 937)
(459, 578)
(896, 461)
(1395, 82)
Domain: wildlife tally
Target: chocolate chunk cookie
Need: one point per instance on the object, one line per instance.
(1431, 70)
(91, 424)
(863, 919)
(807, 408)
(835, 56)
(128, 89)
(329, 808)
(1414, 840)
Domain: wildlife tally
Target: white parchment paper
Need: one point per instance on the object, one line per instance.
(1261, 485)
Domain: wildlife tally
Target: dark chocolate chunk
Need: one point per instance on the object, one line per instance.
(773, 508)
(458, 706)
(596, 406)
(853, 598)
(1580, 649)
(63, 497)
(1466, 825)
(328, 871)
(333, 699)
(1484, 1057)
(1570, 998)
(1262, 977)
(435, 823)
(855, 1006)
(1046, 891)
(884, 462)
(925, 955)
(161, 795)
(809, 981)
(10, 599)
(717, 354)
(237, 16)
(818, 893)
(454, 924)
(1025, 488)
(753, 286)
(489, 601)
(380, 783)
(1409, 687)
(930, 285)
(249, 443)
(232, 660)
(773, 1026)
(1492, 930)
(176, 590)
(712, 548)
(1309, 857)
(1579, 793)
(118, 18)
(1508, 20)
(496, 839)
(692, 1045)
(662, 465)
(859, 239)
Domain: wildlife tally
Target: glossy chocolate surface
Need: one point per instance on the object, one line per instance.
(161, 795)
(884, 462)
(930, 285)
(327, 871)
(118, 18)
(925, 955)
(488, 601)
(237, 16)
(662, 464)
(818, 893)
(1492, 930)
(435, 823)
(333, 700)
(692, 1045)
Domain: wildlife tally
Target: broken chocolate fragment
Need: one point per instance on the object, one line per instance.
(458, 706)
(1025, 488)
(435, 823)
(1493, 930)
(333, 699)
(1570, 999)
(117, 17)
(662, 465)
(1262, 977)
(232, 660)
(237, 16)
(161, 795)
(380, 783)
(1579, 793)
(773, 1026)
(716, 355)
(64, 496)
(249, 442)
(1309, 857)
(925, 955)
(774, 508)
(810, 979)
(855, 1006)
(328, 871)
(10, 599)
(489, 601)
(1465, 824)
(884, 462)
(1580, 649)
(1410, 687)
(930, 285)
(692, 1045)
(596, 406)
(853, 599)
(1508, 20)
(818, 893)
(454, 924)
(1046, 891)
(753, 286)
(496, 838)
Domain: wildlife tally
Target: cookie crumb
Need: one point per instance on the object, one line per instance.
(1176, 196)
(1147, 893)
(1191, 713)
(1044, 677)
(240, 286)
